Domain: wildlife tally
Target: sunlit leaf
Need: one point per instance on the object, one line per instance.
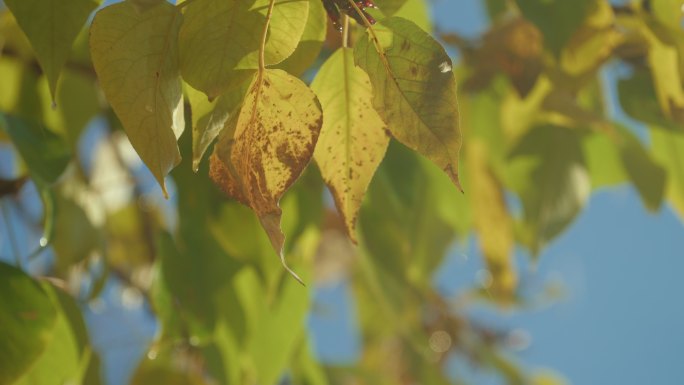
(389, 7)
(272, 143)
(311, 42)
(638, 99)
(28, 319)
(353, 138)
(219, 37)
(647, 176)
(136, 59)
(603, 161)
(414, 90)
(52, 27)
(209, 117)
(45, 153)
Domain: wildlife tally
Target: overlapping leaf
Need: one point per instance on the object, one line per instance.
(135, 55)
(52, 26)
(414, 90)
(273, 141)
(353, 139)
(220, 37)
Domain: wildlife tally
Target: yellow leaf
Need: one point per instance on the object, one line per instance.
(492, 222)
(136, 59)
(221, 37)
(273, 141)
(353, 139)
(414, 90)
(51, 26)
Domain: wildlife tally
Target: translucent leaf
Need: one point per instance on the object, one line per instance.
(209, 117)
(353, 138)
(28, 319)
(45, 153)
(274, 138)
(219, 37)
(414, 90)
(136, 59)
(311, 42)
(389, 7)
(52, 26)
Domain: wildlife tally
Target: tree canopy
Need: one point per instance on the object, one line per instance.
(309, 141)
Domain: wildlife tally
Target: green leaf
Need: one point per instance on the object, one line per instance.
(668, 12)
(219, 37)
(414, 90)
(353, 138)
(45, 153)
(136, 59)
(272, 328)
(273, 141)
(557, 19)
(647, 176)
(389, 7)
(67, 358)
(209, 117)
(668, 149)
(74, 236)
(27, 318)
(311, 42)
(548, 173)
(417, 11)
(52, 26)
(638, 99)
(604, 163)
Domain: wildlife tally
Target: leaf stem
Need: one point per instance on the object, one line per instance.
(345, 31)
(262, 47)
(374, 37)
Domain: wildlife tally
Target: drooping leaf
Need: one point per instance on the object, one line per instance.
(353, 138)
(547, 171)
(136, 58)
(492, 222)
(414, 90)
(638, 99)
(74, 236)
(603, 161)
(663, 60)
(668, 149)
(273, 141)
(52, 26)
(28, 319)
(209, 117)
(557, 19)
(221, 37)
(44, 152)
(68, 357)
(311, 42)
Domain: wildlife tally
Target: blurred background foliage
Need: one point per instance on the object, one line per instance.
(89, 245)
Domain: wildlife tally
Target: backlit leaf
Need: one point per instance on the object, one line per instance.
(220, 37)
(414, 90)
(668, 150)
(353, 139)
(136, 58)
(273, 141)
(311, 42)
(52, 26)
(28, 319)
(647, 176)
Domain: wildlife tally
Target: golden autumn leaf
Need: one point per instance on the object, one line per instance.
(135, 56)
(353, 139)
(414, 90)
(271, 144)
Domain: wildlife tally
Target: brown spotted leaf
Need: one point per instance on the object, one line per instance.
(353, 139)
(414, 90)
(272, 142)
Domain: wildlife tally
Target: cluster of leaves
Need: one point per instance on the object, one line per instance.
(535, 127)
